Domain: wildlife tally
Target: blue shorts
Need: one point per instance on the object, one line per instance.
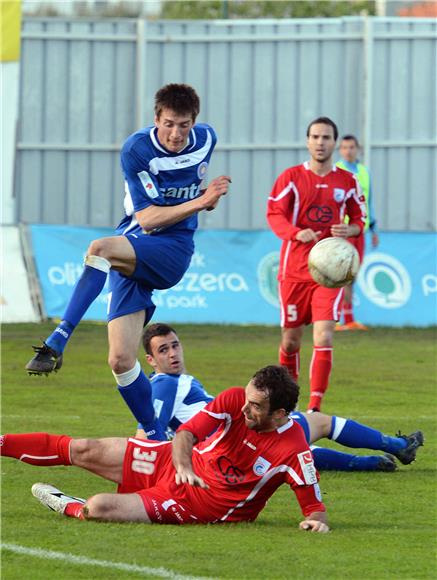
(301, 419)
(161, 262)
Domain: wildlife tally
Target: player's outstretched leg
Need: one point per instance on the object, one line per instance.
(48, 357)
(353, 434)
(57, 501)
(44, 449)
(333, 460)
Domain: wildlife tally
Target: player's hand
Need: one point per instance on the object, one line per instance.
(341, 231)
(215, 190)
(314, 526)
(307, 236)
(188, 476)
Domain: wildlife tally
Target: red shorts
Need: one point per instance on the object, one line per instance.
(306, 302)
(148, 471)
(358, 242)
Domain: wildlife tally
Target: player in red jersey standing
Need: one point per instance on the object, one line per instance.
(309, 202)
(198, 478)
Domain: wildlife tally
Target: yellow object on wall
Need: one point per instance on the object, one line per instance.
(10, 16)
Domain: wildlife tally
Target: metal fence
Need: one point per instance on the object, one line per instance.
(87, 84)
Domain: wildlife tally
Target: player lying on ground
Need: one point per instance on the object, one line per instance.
(177, 397)
(196, 478)
(165, 167)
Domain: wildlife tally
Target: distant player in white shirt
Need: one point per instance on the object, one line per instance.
(178, 396)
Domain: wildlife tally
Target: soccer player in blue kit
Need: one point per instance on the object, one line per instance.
(178, 396)
(165, 167)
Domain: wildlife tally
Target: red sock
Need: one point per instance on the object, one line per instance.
(348, 313)
(290, 360)
(320, 370)
(75, 510)
(37, 448)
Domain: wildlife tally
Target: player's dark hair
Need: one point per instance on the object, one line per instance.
(350, 138)
(324, 121)
(281, 389)
(157, 329)
(179, 98)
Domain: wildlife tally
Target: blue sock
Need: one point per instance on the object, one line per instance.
(136, 390)
(331, 460)
(353, 434)
(88, 287)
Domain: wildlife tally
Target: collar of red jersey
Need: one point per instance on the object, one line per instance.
(286, 426)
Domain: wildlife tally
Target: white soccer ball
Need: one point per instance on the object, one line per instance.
(333, 262)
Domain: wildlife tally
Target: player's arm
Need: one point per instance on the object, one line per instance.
(198, 428)
(188, 434)
(182, 451)
(372, 220)
(309, 498)
(356, 210)
(157, 216)
(305, 485)
(279, 207)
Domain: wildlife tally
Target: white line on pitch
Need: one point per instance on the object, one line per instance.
(83, 561)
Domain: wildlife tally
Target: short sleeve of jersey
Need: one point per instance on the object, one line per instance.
(226, 406)
(176, 398)
(142, 187)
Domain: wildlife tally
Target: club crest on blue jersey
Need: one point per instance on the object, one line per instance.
(339, 194)
(202, 170)
(261, 466)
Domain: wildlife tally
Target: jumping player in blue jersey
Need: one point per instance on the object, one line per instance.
(178, 396)
(165, 168)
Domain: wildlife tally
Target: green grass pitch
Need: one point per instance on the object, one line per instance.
(383, 525)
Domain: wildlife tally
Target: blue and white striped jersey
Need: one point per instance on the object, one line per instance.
(176, 398)
(155, 176)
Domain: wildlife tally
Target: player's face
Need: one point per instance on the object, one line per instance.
(256, 410)
(321, 142)
(167, 355)
(173, 129)
(348, 150)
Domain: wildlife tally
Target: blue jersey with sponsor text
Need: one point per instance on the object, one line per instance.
(176, 398)
(155, 176)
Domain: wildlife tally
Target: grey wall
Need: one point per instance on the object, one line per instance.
(86, 85)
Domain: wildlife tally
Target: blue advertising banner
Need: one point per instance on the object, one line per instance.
(232, 278)
(59, 252)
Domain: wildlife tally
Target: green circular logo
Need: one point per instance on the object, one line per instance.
(267, 273)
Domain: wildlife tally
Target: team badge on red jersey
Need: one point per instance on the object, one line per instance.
(261, 466)
(339, 194)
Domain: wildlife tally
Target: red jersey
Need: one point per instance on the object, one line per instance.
(243, 467)
(301, 199)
